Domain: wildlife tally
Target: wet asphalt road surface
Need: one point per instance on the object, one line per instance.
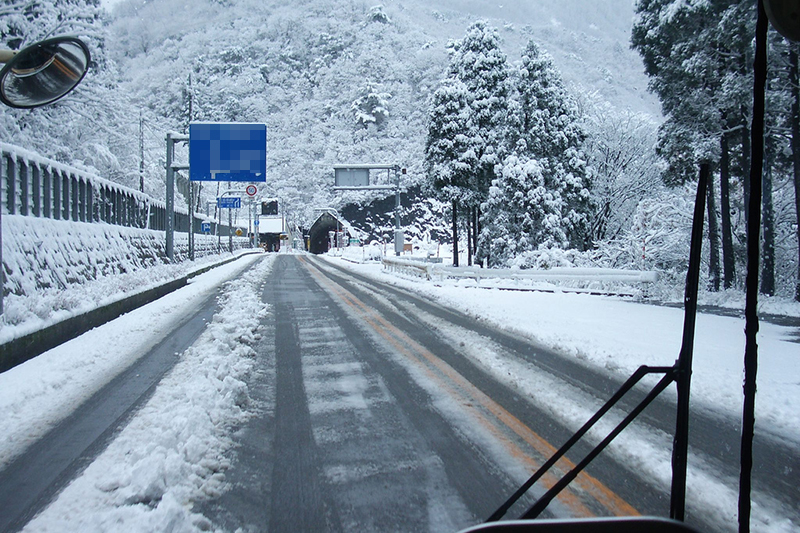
(371, 420)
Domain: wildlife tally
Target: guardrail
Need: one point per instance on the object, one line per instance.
(359, 254)
(33, 185)
(437, 272)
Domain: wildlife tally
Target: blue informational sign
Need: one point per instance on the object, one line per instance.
(227, 152)
(205, 227)
(255, 222)
(229, 202)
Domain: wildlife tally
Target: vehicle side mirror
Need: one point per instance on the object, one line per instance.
(43, 72)
(785, 17)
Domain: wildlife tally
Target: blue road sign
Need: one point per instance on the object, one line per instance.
(255, 222)
(205, 227)
(227, 152)
(229, 202)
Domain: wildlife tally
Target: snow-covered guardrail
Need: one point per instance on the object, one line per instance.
(359, 254)
(33, 185)
(437, 272)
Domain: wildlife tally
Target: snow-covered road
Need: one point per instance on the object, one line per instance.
(175, 464)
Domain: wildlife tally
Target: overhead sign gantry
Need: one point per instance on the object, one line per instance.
(355, 177)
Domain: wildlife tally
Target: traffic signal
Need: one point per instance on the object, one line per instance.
(269, 207)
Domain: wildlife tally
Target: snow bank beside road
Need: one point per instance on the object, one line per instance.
(36, 395)
(174, 451)
(621, 335)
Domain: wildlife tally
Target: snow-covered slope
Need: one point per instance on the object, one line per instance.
(301, 67)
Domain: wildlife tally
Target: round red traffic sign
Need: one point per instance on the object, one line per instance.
(251, 190)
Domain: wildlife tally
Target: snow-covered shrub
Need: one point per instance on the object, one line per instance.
(373, 252)
(376, 14)
(372, 107)
(658, 239)
(545, 258)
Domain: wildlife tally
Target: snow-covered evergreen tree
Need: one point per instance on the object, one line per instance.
(372, 107)
(466, 127)
(479, 63)
(698, 56)
(524, 211)
(546, 174)
(448, 161)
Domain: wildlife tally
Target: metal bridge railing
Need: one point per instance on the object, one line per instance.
(32, 185)
(580, 276)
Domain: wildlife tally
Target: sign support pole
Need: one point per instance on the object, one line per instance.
(398, 235)
(170, 229)
(170, 225)
(398, 232)
(191, 221)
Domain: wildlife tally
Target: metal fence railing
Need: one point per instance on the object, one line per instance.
(580, 279)
(32, 185)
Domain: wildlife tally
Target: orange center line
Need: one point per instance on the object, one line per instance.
(408, 346)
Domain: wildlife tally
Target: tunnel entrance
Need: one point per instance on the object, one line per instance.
(318, 235)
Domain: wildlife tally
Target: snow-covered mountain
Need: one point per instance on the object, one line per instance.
(311, 69)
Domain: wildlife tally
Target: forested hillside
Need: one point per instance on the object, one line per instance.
(335, 82)
(351, 81)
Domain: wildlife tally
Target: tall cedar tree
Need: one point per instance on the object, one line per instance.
(448, 163)
(541, 196)
(694, 53)
(482, 67)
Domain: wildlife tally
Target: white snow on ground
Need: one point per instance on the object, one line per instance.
(173, 451)
(36, 395)
(621, 335)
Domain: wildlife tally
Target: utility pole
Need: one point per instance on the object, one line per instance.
(141, 152)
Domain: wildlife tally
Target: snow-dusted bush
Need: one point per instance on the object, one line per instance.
(372, 107)
(658, 239)
(545, 258)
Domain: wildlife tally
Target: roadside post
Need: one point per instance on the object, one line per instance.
(251, 191)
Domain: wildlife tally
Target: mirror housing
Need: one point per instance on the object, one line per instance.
(785, 17)
(43, 72)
